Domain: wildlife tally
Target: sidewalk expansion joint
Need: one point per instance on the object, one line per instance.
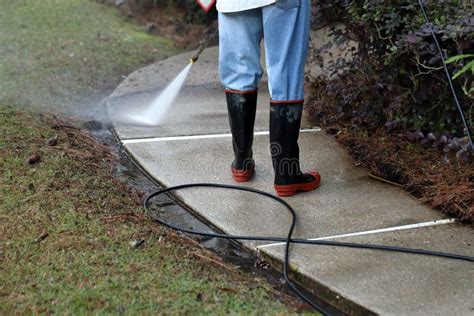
(375, 231)
(194, 137)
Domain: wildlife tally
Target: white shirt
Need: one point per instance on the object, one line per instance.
(241, 5)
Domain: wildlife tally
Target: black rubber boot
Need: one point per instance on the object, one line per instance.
(285, 122)
(242, 107)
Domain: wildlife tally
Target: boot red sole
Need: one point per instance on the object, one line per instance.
(292, 189)
(242, 175)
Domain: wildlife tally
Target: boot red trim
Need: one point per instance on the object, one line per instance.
(286, 101)
(292, 189)
(240, 92)
(242, 175)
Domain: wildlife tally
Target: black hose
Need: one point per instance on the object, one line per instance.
(288, 240)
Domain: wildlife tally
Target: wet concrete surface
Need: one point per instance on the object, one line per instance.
(167, 208)
(183, 161)
(197, 112)
(348, 200)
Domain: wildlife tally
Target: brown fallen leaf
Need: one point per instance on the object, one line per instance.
(227, 289)
(83, 283)
(42, 237)
(135, 244)
(53, 141)
(33, 158)
(200, 297)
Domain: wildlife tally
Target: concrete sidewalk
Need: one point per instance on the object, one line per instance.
(194, 146)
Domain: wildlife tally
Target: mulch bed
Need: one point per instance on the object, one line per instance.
(446, 186)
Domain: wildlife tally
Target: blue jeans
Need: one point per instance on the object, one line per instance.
(284, 27)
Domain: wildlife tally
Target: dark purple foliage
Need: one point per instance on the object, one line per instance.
(396, 80)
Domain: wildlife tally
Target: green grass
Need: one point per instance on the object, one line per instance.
(86, 264)
(65, 223)
(61, 53)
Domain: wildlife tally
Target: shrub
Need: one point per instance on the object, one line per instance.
(396, 80)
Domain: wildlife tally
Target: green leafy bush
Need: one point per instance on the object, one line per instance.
(396, 80)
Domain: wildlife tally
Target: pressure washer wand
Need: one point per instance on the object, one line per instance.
(204, 43)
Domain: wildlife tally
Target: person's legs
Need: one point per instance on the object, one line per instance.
(286, 29)
(240, 34)
(240, 72)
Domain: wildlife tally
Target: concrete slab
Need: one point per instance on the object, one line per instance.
(393, 283)
(328, 211)
(384, 282)
(356, 281)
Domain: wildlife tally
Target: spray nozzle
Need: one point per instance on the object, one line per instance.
(204, 43)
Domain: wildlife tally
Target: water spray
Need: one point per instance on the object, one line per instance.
(154, 113)
(164, 101)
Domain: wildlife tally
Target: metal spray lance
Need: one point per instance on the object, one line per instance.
(203, 45)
